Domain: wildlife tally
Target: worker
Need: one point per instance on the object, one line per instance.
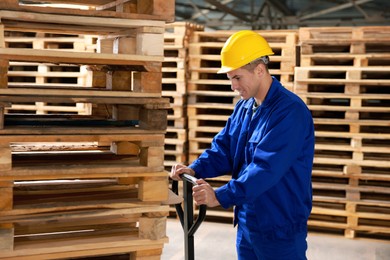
(267, 145)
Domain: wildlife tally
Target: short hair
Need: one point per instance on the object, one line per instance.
(253, 64)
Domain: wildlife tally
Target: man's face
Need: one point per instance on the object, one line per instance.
(245, 82)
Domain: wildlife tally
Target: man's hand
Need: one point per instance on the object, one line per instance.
(179, 169)
(204, 194)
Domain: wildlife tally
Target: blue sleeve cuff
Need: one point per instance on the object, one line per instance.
(223, 196)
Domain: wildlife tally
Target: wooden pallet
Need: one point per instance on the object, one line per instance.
(74, 218)
(348, 46)
(149, 10)
(139, 150)
(111, 108)
(125, 61)
(365, 218)
(44, 73)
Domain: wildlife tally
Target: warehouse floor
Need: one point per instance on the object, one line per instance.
(216, 241)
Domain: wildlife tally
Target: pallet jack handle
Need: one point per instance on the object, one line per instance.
(186, 215)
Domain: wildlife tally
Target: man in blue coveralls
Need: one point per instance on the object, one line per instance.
(267, 145)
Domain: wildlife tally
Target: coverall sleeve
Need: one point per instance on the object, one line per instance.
(274, 153)
(216, 160)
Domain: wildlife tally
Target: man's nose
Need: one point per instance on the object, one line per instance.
(233, 86)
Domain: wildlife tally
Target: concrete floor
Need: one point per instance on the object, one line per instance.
(216, 241)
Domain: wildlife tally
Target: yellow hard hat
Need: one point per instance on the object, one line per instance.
(241, 48)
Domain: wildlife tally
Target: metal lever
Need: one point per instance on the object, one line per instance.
(186, 216)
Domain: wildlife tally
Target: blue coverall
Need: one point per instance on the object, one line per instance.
(270, 156)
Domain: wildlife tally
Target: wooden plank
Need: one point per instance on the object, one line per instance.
(82, 134)
(68, 19)
(104, 252)
(72, 246)
(348, 108)
(39, 213)
(61, 57)
(122, 170)
(75, 2)
(45, 108)
(113, 221)
(82, 94)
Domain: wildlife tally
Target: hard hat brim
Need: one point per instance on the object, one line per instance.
(224, 70)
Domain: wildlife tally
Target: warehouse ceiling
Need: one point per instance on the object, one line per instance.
(282, 14)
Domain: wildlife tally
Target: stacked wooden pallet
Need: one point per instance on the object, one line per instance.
(344, 79)
(174, 87)
(210, 98)
(86, 185)
(46, 74)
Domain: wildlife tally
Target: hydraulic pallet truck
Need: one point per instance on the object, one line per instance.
(186, 215)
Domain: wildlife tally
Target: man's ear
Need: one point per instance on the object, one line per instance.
(259, 70)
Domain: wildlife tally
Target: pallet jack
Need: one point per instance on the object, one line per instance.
(186, 214)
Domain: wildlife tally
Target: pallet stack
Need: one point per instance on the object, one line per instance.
(344, 80)
(210, 98)
(75, 185)
(174, 87)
